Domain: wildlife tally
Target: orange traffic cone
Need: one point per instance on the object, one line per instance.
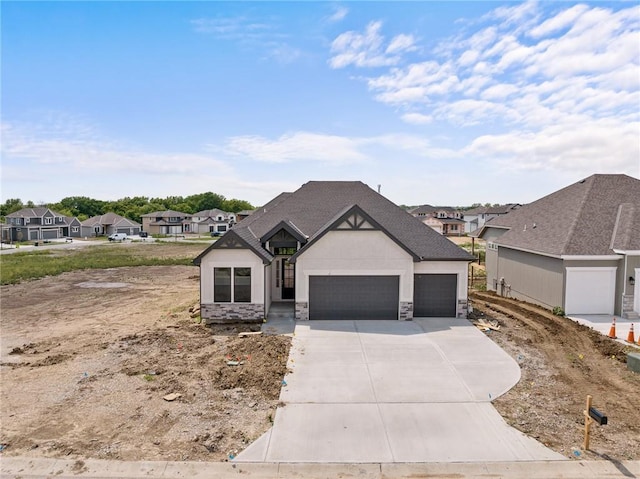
(612, 329)
(631, 338)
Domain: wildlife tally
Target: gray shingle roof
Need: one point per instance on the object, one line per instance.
(590, 217)
(109, 219)
(166, 214)
(317, 203)
(213, 212)
(37, 212)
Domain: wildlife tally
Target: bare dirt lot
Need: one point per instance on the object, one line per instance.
(562, 362)
(88, 356)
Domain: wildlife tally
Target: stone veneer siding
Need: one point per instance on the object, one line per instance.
(463, 309)
(406, 310)
(220, 313)
(627, 307)
(302, 311)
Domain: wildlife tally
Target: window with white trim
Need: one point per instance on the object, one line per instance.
(48, 221)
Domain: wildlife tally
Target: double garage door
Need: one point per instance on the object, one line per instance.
(377, 297)
(354, 297)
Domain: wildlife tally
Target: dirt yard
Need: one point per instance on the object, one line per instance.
(562, 362)
(88, 356)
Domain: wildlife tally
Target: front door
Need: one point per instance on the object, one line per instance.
(287, 279)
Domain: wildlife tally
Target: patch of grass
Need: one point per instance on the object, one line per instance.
(37, 264)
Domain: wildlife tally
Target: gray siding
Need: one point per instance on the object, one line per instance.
(491, 264)
(533, 278)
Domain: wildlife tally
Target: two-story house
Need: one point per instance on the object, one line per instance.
(167, 222)
(41, 223)
(212, 221)
(443, 219)
(477, 217)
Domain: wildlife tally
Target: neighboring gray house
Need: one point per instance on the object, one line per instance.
(476, 218)
(109, 223)
(40, 223)
(332, 250)
(212, 221)
(577, 248)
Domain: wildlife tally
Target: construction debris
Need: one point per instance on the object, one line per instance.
(487, 325)
(245, 334)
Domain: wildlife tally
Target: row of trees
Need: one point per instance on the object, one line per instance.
(132, 207)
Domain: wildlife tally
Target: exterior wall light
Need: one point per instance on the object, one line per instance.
(632, 281)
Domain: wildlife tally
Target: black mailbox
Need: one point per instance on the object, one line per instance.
(597, 416)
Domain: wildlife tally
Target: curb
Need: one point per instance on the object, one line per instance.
(24, 467)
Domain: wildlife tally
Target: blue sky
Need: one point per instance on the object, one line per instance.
(439, 102)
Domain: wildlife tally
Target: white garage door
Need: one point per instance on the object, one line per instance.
(590, 290)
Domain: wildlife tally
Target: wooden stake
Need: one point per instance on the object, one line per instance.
(587, 424)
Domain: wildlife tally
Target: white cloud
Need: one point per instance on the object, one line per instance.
(417, 118)
(339, 14)
(299, 146)
(566, 86)
(367, 49)
(401, 43)
(78, 147)
(331, 149)
(605, 145)
(559, 22)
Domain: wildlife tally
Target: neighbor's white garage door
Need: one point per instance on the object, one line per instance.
(590, 290)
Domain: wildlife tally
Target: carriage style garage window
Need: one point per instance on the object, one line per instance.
(241, 285)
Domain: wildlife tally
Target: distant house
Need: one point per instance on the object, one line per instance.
(167, 222)
(212, 221)
(476, 218)
(240, 215)
(109, 223)
(332, 250)
(443, 219)
(40, 223)
(577, 248)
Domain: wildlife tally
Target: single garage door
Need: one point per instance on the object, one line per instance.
(435, 295)
(353, 297)
(590, 290)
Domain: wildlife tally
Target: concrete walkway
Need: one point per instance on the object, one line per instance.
(394, 392)
(602, 324)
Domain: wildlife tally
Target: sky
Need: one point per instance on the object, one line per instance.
(446, 103)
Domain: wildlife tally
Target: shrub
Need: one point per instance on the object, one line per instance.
(558, 311)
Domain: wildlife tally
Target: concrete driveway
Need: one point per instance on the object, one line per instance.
(394, 391)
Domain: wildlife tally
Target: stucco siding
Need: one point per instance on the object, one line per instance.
(530, 277)
(459, 268)
(367, 253)
(231, 258)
